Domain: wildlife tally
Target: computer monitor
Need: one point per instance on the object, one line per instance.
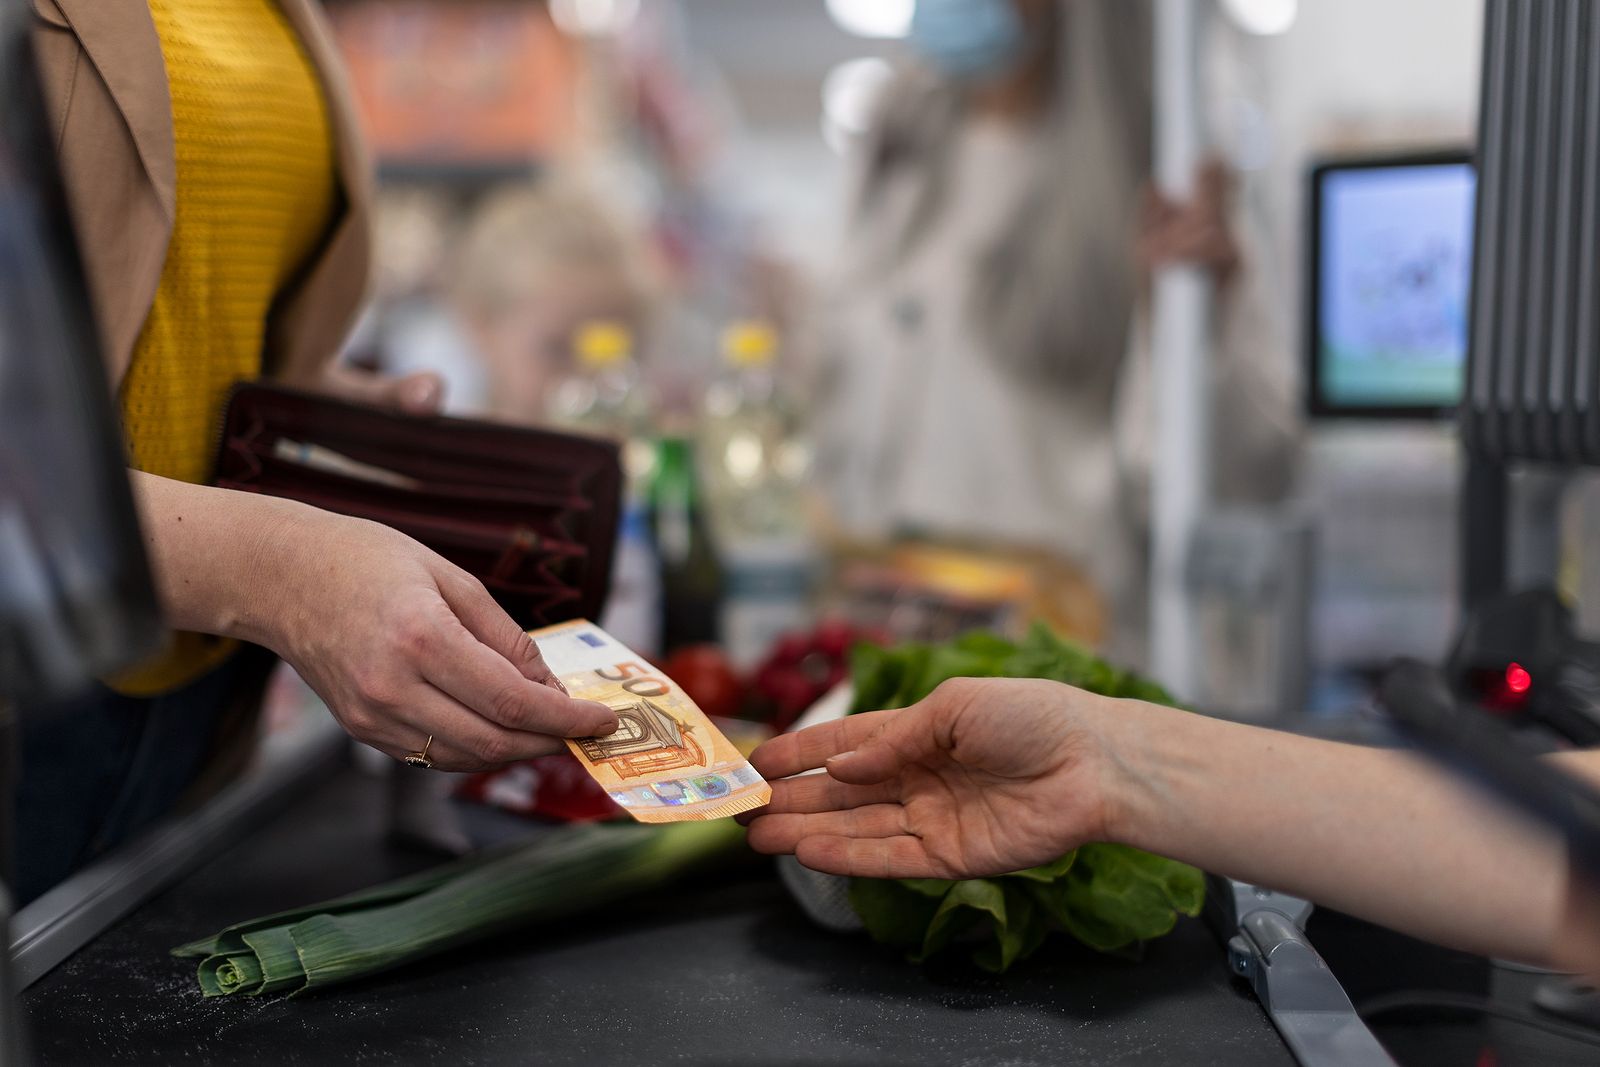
(1390, 284)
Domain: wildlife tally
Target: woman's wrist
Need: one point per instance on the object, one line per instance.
(276, 540)
(223, 560)
(1142, 748)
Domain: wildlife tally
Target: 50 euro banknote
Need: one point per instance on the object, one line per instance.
(665, 762)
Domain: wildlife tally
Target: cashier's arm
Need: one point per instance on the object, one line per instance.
(994, 775)
(399, 642)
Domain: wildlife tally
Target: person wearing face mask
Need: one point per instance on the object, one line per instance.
(983, 365)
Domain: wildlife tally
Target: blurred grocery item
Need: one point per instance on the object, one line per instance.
(691, 574)
(936, 590)
(605, 397)
(755, 462)
(474, 84)
(604, 394)
(549, 787)
(801, 668)
(703, 672)
(633, 609)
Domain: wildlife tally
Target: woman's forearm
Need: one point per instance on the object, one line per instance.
(1378, 834)
(409, 651)
(214, 552)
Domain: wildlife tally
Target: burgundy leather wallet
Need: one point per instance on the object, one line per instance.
(532, 513)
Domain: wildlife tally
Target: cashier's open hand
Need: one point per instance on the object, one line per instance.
(402, 644)
(980, 778)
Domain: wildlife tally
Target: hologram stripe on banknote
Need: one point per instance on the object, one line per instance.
(666, 762)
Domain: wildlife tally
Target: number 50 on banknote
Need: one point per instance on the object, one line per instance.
(666, 762)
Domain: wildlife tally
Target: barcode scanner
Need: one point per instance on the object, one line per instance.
(1519, 656)
(1487, 751)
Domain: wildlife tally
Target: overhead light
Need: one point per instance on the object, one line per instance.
(593, 18)
(873, 18)
(850, 94)
(1267, 18)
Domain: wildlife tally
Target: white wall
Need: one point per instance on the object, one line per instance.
(1377, 53)
(1376, 58)
(1353, 75)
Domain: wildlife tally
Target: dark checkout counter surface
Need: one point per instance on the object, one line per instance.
(725, 972)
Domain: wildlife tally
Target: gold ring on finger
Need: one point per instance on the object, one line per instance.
(420, 759)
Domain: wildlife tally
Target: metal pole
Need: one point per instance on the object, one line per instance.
(1180, 328)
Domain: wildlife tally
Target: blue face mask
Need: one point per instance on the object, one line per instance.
(969, 40)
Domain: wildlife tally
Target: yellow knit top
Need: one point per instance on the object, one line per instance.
(255, 195)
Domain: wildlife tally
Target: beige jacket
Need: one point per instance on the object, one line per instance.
(105, 83)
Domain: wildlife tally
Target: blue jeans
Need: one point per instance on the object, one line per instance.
(97, 770)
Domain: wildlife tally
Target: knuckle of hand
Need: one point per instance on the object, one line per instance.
(508, 707)
(495, 749)
(523, 650)
(375, 690)
(958, 691)
(460, 576)
(359, 724)
(414, 637)
(466, 585)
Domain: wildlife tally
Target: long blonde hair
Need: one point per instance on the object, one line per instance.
(524, 235)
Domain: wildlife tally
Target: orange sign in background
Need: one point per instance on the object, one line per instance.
(467, 82)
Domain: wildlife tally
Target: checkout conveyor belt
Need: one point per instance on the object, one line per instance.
(723, 971)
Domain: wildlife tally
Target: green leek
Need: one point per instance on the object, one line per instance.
(569, 870)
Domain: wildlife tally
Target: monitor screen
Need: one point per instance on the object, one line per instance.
(1390, 284)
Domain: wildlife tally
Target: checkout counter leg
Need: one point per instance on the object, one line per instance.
(11, 1043)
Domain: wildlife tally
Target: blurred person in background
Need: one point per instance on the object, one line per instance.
(983, 371)
(537, 264)
(220, 195)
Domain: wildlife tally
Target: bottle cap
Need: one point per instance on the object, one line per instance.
(749, 344)
(602, 344)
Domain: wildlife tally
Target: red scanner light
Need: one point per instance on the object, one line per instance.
(1518, 680)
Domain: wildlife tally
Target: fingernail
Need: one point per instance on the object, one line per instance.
(605, 720)
(843, 757)
(422, 393)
